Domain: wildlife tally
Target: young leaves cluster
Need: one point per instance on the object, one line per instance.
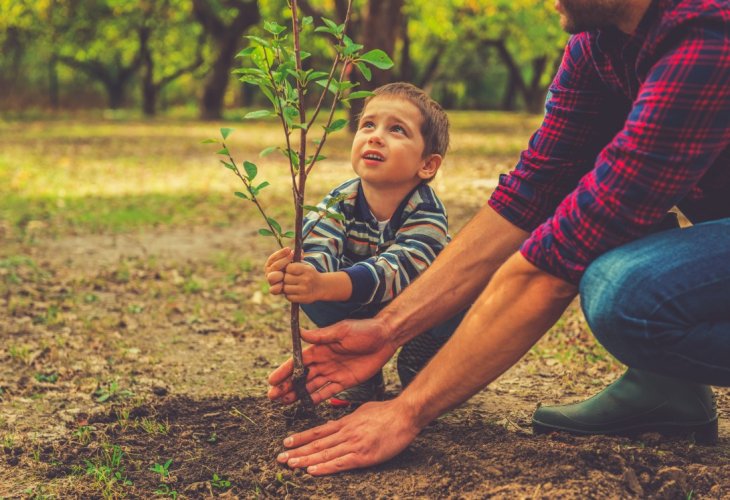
(276, 67)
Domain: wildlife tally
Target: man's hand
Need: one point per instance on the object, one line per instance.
(373, 434)
(342, 356)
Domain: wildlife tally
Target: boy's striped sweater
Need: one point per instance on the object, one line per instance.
(380, 265)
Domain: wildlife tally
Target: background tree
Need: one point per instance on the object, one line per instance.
(225, 21)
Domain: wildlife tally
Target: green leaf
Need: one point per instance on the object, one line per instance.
(290, 114)
(330, 24)
(332, 86)
(261, 186)
(288, 234)
(274, 224)
(364, 70)
(319, 158)
(304, 55)
(317, 75)
(311, 208)
(377, 58)
(241, 195)
(225, 132)
(306, 21)
(210, 141)
(223, 151)
(336, 216)
(360, 94)
(274, 28)
(265, 232)
(268, 151)
(251, 170)
(336, 125)
(293, 156)
(246, 52)
(259, 40)
(229, 166)
(258, 114)
(350, 46)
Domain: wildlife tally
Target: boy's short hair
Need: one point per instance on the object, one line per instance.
(434, 123)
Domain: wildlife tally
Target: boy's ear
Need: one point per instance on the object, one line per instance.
(430, 166)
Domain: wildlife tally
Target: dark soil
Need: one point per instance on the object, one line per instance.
(463, 454)
(117, 354)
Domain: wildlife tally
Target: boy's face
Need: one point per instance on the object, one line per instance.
(387, 151)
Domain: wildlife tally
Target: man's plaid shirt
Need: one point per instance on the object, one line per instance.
(636, 124)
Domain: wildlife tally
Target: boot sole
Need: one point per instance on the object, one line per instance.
(704, 434)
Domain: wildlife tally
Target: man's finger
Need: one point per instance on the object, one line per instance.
(319, 432)
(328, 335)
(339, 464)
(284, 371)
(317, 452)
(276, 289)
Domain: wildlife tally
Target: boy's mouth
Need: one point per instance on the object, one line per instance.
(373, 156)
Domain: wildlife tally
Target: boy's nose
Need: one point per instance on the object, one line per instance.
(375, 139)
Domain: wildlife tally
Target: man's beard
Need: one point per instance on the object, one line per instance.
(589, 15)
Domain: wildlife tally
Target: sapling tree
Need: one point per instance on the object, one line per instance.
(277, 67)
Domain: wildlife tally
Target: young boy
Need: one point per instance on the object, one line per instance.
(393, 227)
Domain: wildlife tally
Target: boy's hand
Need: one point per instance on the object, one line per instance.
(303, 284)
(274, 269)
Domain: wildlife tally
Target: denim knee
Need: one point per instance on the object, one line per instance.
(613, 303)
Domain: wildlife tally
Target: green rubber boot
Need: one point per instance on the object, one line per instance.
(638, 402)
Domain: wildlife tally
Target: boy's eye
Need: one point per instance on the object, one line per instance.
(398, 128)
(367, 124)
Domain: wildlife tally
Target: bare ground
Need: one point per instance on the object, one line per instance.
(122, 352)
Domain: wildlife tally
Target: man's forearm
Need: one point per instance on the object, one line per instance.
(455, 278)
(517, 308)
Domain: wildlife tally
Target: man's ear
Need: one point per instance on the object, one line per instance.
(430, 166)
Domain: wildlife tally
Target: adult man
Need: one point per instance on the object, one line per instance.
(638, 122)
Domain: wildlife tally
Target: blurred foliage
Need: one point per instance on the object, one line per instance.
(71, 54)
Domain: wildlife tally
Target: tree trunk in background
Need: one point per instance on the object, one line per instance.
(149, 92)
(53, 83)
(228, 39)
(114, 77)
(382, 26)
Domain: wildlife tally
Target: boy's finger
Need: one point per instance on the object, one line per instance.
(278, 255)
(276, 289)
(297, 268)
(274, 277)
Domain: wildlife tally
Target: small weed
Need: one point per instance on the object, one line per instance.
(220, 482)
(83, 434)
(135, 309)
(213, 438)
(152, 426)
(240, 318)
(38, 493)
(50, 378)
(90, 298)
(20, 353)
(121, 274)
(122, 417)
(165, 491)
(8, 442)
(111, 392)
(285, 483)
(50, 317)
(107, 470)
(162, 469)
(192, 286)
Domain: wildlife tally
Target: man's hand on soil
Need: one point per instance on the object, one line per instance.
(376, 432)
(342, 356)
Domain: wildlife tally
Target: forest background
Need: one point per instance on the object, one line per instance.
(176, 56)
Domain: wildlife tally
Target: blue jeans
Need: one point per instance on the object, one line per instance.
(662, 303)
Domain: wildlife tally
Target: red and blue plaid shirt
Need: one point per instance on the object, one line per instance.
(636, 125)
